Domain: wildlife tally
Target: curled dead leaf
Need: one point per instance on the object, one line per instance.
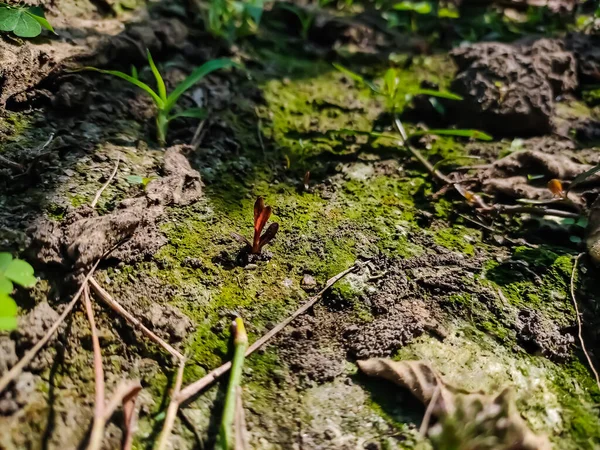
(467, 420)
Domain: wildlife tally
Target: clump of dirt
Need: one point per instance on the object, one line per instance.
(538, 334)
(84, 237)
(510, 90)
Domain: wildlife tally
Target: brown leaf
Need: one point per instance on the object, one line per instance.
(268, 236)
(259, 205)
(478, 421)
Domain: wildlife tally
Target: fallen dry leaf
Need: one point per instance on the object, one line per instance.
(467, 420)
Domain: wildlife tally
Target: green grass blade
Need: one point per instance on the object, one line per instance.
(475, 134)
(194, 113)
(583, 176)
(196, 76)
(38, 14)
(440, 94)
(160, 83)
(159, 102)
(356, 77)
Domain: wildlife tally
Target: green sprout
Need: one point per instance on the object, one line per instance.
(240, 341)
(165, 103)
(233, 19)
(12, 271)
(23, 22)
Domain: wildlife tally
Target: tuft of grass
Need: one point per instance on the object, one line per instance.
(165, 103)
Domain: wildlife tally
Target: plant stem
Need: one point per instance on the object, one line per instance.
(162, 122)
(226, 434)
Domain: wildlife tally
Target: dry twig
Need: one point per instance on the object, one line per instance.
(172, 410)
(197, 386)
(105, 185)
(116, 307)
(18, 368)
(97, 433)
(579, 327)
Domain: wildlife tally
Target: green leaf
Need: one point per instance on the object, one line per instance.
(440, 94)
(475, 134)
(448, 13)
(159, 102)
(160, 83)
(194, 113)
(21, 273)
(583, 176)
(5, 260)
(391, 82)
(8, 313)
(418, 7)
(135, 179)
(19, 21)
(6, 286)
(196, 76)
(38, 14)
(134, 73)
(356, 77)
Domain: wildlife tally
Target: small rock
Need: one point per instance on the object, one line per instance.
(308, 282)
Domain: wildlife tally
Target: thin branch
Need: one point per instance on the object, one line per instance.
(18, 368)
(115, 306)
(429, 411)
(538, 211)
(197, 386)
(579, 326)
(129, 420)
(125, 391)
(172, 410)
(199, 134)
(105, 185)
(97, 433)
(11, 164)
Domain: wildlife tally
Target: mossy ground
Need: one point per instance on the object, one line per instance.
(363, 201)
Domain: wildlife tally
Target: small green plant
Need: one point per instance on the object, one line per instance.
(165, 103)
(227, 439)
(12, 271)
(390, 88)
(233, 19)
(306, 15)
(23, 22)
(137, 179)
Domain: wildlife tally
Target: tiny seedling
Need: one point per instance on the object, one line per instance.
(139, 180)
(261, 217)
(23, 22)
(306, 180)
(12, 271)
(233, 19)
(240, 341)
(390, 88)
(165, 103)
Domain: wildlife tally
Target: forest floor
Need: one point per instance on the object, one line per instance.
(482, 297)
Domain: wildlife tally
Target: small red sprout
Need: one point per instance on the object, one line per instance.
(307, 180)
(261, 217)
(556, 187)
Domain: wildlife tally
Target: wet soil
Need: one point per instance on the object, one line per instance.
(484, 299)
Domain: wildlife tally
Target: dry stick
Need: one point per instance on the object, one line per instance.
(212, 376)
(105, 185)
(125, 391)
(427, 417)
(579, 332)
(130, 421)
(11, 164)
(18, 368)
(106, 298)
(172, 410)
(97, 433)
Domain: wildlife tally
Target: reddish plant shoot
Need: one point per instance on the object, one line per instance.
(556, 187)
(262, 214)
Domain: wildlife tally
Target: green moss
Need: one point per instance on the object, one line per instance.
(457, 238)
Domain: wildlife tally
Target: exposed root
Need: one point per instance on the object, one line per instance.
(105, 185)
(197, 386)
(579, 327)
